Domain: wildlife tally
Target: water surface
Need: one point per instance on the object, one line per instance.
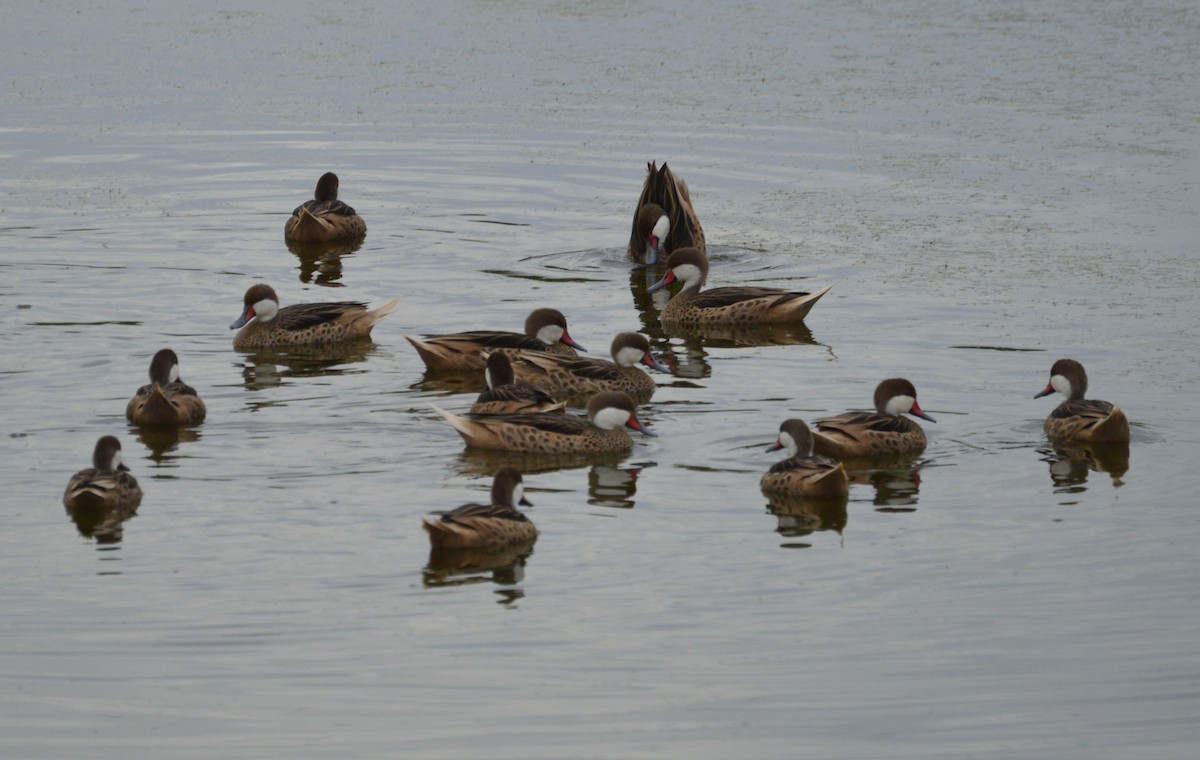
(988, 187)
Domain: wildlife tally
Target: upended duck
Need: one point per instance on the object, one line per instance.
(664, 219)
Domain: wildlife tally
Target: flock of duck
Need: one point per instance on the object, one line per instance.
(532, 376)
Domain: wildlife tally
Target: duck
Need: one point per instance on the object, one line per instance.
(324, 218)
(265, 325)
(576, 377)
(872, 434)
(167, 400)
(107, 484)
(803, 473)
(486, 526)
(664, 219)
(742, 305)
(600, 432)
(545, 330)
(1077, 418)
(506, 396)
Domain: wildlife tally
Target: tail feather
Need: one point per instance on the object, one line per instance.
(378, 315)
(447, 535)
(799, 308)
(456, 422)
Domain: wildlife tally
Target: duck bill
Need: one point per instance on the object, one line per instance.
(916, 411)
(633, 423)
(1045, 391)
(652, 250)
(775, 446)
(667, 279)
(566, 338)
(525, 502)
(247, 315)
(650, 362)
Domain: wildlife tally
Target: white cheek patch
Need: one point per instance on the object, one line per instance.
(173, 375)
(518, 494)
(116, 461)
(265, 310)
(550, 334)
(898, 405)
(628, 356)
(611, 418)
(662, 228)
(789, 443)
(1061, 384)
(688, 274)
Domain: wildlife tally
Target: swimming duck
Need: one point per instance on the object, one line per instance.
(324, 218)
(486, 526)
(573, 377)
(106, 484)
(729, 305)
(803, 473)
(545, 330)
(506, 396)
(869, 434)
(664, 219)
(1077, 418)
(167, 400)
(601, 432)
(302, 324)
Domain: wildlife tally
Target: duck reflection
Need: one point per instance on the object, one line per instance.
(102, 523)
(896, 480)
(321, 263)
(451, 382)
(613, 486)
(460, 567)
(163, 441)
(1071, 462)
(472, 461)
(648, 305)
(802, 515)
(269, 367)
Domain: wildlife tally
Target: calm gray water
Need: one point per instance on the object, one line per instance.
(990, 186)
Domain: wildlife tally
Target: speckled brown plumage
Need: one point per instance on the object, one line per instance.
(504, 396)
(107, 484)
(577, 379)
(803, 473)
(494, 525)
(304, 324)
(878, 433)
(545, 330)
(166, 401)
(1077, 418)
(663, 194)
(324, 218)
(729, 305)
(601, 432)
